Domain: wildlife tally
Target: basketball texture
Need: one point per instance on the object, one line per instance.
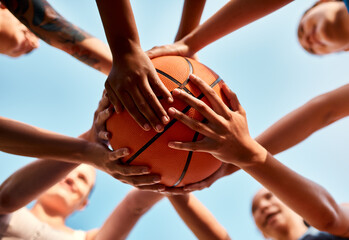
(177, 168)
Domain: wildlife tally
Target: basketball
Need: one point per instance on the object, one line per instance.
(176, 168)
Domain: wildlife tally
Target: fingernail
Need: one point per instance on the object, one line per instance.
(145, 170)
(170, 99)
(171, 110)
(161, 189)
(159, 128)
(126, 152)
(157, 179)
(165, 119)
(146, 127)
(171, 144)
(176, 91)
(116, 110)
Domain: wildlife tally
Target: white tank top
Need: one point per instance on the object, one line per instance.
(23, 225)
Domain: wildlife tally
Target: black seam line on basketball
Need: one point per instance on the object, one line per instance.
(190, 72)
(174, 80)
(186, 109)
(153, 139)
(190, 155)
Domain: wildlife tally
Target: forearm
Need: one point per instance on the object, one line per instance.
(234, 15)
(127, 213)
(29, 182)
(119, 26)
(50, 26)
(308, 199)
(191, 15)
(22, 139)
(198, 218)
(304, 121)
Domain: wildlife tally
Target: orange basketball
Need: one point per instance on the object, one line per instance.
(177, 168)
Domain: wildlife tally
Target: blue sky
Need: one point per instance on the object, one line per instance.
(263, 63)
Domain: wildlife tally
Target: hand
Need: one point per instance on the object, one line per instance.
(109, 161)
(178, 48)
(131, 83)
(225, 170)
(226, 134)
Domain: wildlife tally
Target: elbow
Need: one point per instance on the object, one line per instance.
(7, 202)
(330, 223)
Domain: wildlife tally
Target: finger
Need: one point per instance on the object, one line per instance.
(200, 146)
(233, 99)
(152, 99)
(103, 116)
(192, 123)
(118, 153)
(159, 86)
(175, 191)
(196, 187)
(152, 188)
(104, 135)
(144, 107)
(114, 99)
(104, 103)
(138, 181)
(217, 104)
(199, 105)
(160, 51)
(129, 104)
(127, 170)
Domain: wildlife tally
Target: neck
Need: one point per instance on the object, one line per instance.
(50, 216)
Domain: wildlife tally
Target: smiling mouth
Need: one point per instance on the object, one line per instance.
(314, 39)
(269, 217)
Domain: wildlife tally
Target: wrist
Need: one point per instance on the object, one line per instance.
(191, 43)
(255, 155)
(124, 47)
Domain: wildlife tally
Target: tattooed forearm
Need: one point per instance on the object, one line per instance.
(43, 20)
(50, 26)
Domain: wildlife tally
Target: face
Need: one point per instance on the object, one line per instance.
(325, 28)
(15, 38)
(271, 216)
(71, 193)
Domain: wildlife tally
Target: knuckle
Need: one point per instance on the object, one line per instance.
(196, 125)
(142, 105)
(211, 92)
(200, 106)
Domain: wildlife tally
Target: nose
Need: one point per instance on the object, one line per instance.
(264, 204)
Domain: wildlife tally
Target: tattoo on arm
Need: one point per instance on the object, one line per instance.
(50, 26)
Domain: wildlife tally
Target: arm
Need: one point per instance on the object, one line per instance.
(198, 218)
(29, 182)
(191, 15)
(50, 26)
(234, 15)
(133, 79)
(126, 215)
(228, 139)
(302, 122)
(22, 139)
